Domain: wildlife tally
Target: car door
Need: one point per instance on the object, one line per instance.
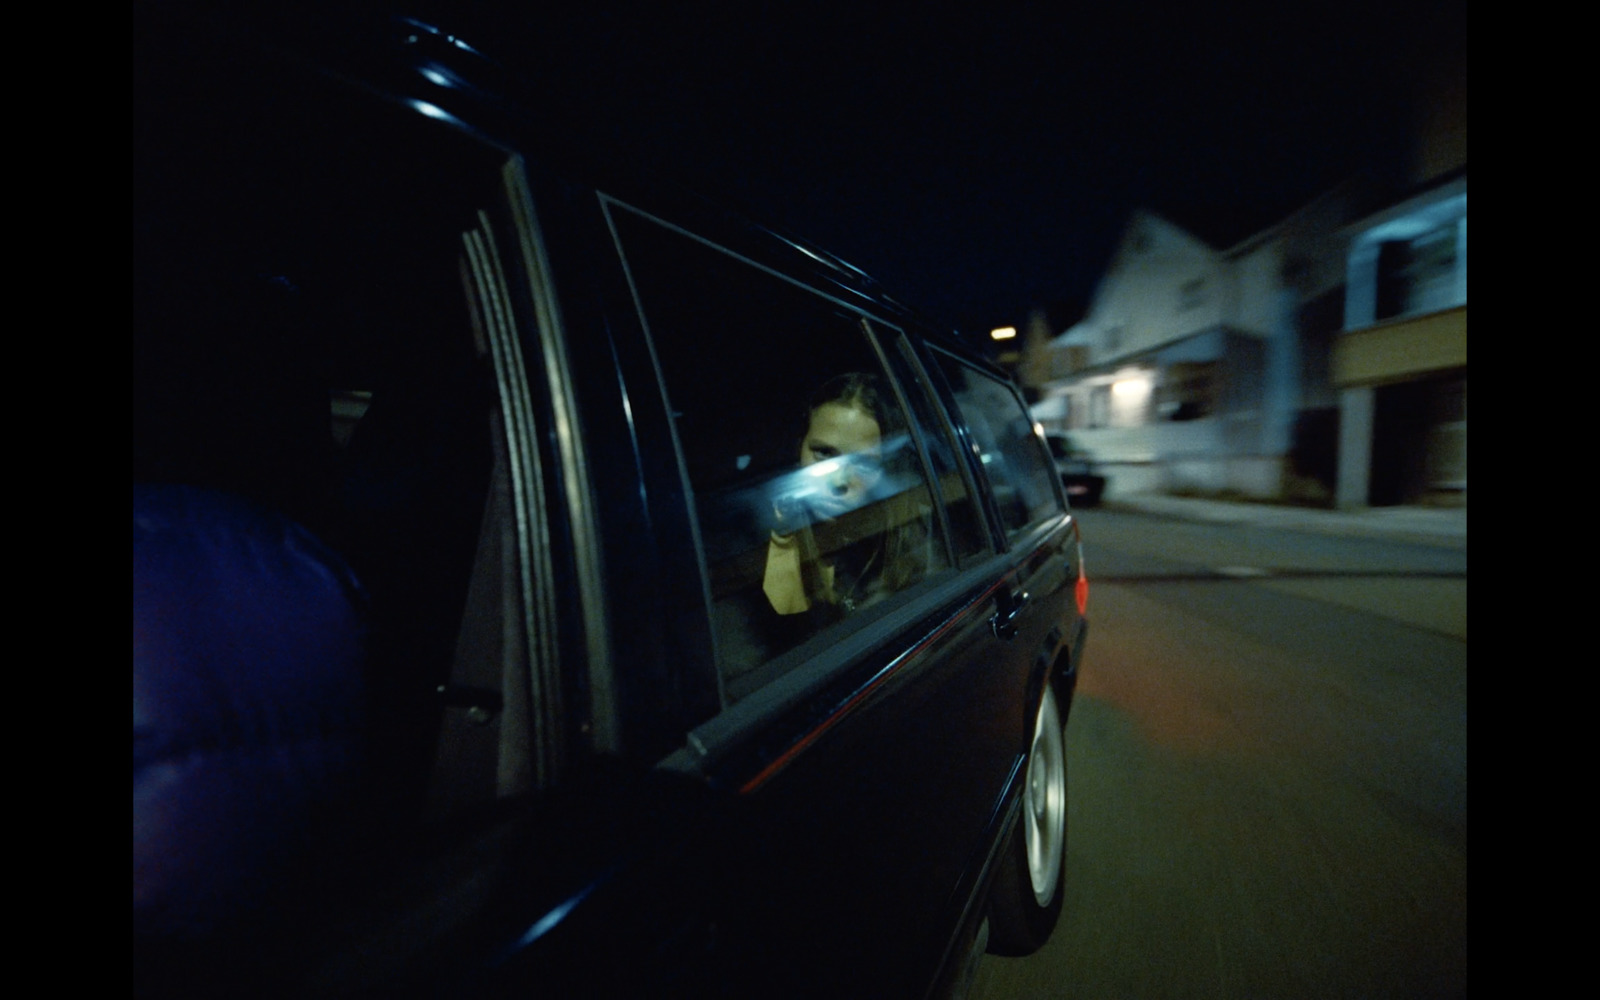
(345, 316)
(866, 756)
(1038, 613)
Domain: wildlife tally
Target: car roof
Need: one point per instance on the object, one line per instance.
(391, 50)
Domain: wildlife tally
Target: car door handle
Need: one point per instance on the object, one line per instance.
(1004, 621)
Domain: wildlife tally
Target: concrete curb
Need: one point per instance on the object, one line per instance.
(1420, 525)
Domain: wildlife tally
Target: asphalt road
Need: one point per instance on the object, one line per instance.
(1267, 769)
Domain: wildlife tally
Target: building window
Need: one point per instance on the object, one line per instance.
(1077, 411)
(1418, 275)
(1100, 406)
(1188, 392)
(1447, 436)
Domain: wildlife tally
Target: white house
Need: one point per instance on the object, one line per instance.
(1323, 359)
(1205, 370)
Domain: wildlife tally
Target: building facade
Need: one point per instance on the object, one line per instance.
(1400, 362)
(1198, 370)
(1322, 360)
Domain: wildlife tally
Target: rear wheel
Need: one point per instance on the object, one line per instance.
(1025, 902)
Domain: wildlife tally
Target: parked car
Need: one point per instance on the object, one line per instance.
(1079, 475)
(508, 618)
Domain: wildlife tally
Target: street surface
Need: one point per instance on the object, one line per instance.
(1267, 771)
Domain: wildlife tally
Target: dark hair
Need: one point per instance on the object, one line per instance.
(863, 391)
(903, 544)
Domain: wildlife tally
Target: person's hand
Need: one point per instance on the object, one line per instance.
(843, 483)
(833, 498)
(789, 515)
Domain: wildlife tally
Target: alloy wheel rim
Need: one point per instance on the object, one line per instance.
(1046, 806)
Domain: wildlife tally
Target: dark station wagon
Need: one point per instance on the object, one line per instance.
(547, 584)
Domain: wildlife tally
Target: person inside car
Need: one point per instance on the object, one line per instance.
(856, 537)
(856, 532)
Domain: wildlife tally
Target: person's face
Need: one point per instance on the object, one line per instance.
(838, 429)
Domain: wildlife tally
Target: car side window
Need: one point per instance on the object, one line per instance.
(968, 535)
(1006, 444)
(809, 483)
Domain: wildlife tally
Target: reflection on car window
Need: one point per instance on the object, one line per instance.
(969, 538)
(846, 531)
(811, 497)
(1006, 443)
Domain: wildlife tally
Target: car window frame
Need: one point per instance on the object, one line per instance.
(829, 661)
(1023, 538)
(515, 693)
(950, 430)
(829, 658)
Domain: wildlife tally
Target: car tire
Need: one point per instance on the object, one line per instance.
(1025, 900)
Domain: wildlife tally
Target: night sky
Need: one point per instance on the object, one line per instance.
(980, 159)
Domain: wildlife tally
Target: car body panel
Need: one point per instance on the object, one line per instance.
(598, 816)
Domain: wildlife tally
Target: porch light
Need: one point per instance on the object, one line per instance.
(1133, 388)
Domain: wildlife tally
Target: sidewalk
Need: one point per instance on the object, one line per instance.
(1423, 525)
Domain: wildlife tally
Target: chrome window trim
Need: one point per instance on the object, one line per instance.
(571, 451)
(955, 431)
(696, 538)
(526, 476)
(854, 308)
